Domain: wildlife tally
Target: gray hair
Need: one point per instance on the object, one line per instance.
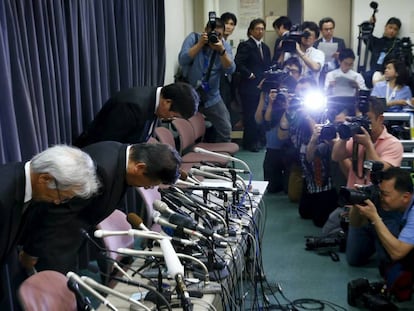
(72, 169)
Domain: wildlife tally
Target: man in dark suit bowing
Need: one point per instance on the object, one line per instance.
(252, 59)
(57, 239)
(55, 175)
(131, 114)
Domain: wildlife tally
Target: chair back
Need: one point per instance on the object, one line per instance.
(116, 221)
(199, 126)
(185, 133)
(149, 196)
(165, 136)
(45, 291)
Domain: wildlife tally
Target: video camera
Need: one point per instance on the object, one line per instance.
(275, 79)
(294, 36)
(212, 35)
(372, 192)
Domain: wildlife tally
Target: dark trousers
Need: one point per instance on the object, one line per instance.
(318, 206)
(251, 132)
(275, 170)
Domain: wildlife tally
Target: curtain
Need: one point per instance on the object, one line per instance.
(60, 60)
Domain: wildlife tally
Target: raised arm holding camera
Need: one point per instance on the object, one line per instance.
(204, 58)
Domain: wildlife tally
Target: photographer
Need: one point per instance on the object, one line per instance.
(295, 126)
(375, 145)
(396, 190)
(382, 49)
(272, 104)
(312, 59)
(199, 52)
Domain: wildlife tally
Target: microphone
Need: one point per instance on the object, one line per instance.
(77, 279)
(133, 252)
(176, 270)
(178, 219)
(224, 156)
(107, 290)
(185, 177)
(136, 222)
(82, 301)
(208, 175)
(143, 234)
(164, 222)
(182, 221)
(222, 170)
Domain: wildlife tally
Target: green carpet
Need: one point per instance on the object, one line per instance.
(302, 273)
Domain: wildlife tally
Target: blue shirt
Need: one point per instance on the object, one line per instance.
(381, 89)
(407, 233)
(193, 68)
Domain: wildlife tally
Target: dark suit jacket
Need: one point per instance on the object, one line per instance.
(277, 51)
(12, 188)
(57, 237)
(126, 117)
(248, 60)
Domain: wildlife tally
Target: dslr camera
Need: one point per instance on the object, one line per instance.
(347, 129)
(212, 35)
(372, 296)
(351, 196)
(294, 36)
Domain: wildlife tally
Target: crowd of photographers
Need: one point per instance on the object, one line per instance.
(325, 151)
(322, 124)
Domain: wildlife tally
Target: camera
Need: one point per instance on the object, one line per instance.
(277, 79)
(353, 126)
(332, 240)
(371, 192)
(212, 35)
(294, 36)
(362, 293)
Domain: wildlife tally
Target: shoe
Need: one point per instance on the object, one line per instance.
(254, 149)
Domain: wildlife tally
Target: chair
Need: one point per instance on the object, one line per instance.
(45, 291)
(187, 142)
(165, 136)
(149, 196)
(198, 124)
(115, 221)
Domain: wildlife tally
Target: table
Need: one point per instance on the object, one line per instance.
(233, 254)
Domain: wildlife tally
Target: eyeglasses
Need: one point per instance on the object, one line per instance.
(61, 199)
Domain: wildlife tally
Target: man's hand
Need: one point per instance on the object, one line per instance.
(368, 210)
(363, 139)
(203, 40)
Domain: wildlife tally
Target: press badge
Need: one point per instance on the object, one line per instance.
(380, 60)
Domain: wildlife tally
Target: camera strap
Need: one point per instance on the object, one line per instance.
(206, 77)
(355, 149)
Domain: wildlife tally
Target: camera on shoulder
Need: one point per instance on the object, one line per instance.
(294, 36)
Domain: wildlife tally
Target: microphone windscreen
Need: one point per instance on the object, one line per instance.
(183, 175)
(134, 220)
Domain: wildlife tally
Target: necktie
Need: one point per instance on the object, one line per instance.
(260, 50)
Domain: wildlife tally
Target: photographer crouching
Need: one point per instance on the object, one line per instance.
(374, 144)
(396, 195)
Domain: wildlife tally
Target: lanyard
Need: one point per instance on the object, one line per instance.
(389, 96)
